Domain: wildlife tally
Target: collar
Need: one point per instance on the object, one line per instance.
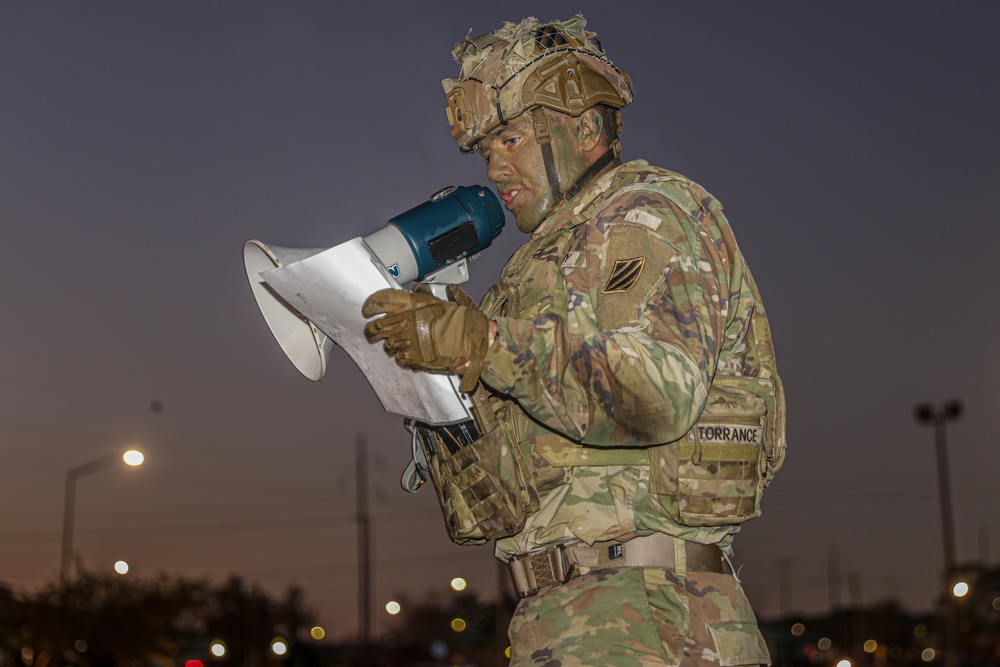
(580, 208)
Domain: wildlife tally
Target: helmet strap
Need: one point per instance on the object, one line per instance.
(544, 138)
(593, 170)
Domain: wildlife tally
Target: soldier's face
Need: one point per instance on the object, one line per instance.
(514, 163)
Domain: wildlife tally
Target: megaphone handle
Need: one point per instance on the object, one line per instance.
(440, 290)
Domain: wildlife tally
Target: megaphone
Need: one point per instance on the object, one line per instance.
(306, 347)
(311, 297)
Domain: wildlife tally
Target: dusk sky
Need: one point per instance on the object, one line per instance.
(855, 146)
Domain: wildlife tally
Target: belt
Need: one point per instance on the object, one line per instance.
(534, 571)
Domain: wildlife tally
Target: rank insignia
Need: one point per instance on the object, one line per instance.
(624, 274)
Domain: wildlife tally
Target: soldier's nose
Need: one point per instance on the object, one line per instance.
(497, 170)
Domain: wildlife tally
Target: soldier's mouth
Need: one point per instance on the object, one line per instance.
(510, 197)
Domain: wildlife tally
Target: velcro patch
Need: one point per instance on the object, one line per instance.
(643, 218)
(624, 274)
(730, 434)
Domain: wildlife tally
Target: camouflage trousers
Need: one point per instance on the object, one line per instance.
(638, 617)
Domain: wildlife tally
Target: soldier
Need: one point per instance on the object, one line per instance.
(622, 370)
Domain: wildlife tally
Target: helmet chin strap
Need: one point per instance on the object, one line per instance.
(544, 138)
(592, 171)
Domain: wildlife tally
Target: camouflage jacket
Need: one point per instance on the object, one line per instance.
(613, 319)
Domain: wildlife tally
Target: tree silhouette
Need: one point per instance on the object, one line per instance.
(97, 620)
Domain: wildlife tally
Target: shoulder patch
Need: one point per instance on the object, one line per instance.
(624, 274)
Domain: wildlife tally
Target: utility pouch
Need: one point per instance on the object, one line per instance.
(483, 487)
(716, 473)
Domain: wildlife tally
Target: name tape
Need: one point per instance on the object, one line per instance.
(730, 434)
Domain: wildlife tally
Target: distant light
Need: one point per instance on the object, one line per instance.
(824, 644)
(317, 633)
(458, 624)
(27, 655)
(960, 590)
(279, 646)
(798, 629)
(194, 663)
(393, 607)
(870, 646)
(80, 646)
(506, 652)
(121, 567)
(844, 662)
(996, 604)
(458, 584)
(927, 654)
(217, 648)
(920, 631)
(439, 650)
(133, 457)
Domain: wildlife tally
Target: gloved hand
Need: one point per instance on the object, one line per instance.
(430, 334)
(455, 294)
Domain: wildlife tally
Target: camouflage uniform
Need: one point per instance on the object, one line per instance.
(629, 409)
(614, 320)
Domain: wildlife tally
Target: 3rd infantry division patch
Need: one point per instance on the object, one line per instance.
(624, 274)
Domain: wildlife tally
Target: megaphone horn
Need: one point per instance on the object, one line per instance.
(306, 347)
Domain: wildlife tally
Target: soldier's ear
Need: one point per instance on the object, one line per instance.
(590, 129)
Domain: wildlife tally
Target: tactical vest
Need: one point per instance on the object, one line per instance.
(714, 475)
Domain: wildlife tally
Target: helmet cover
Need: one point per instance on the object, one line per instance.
(558, 65)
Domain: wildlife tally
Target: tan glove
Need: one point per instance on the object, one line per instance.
(455, 294)
(429, 334)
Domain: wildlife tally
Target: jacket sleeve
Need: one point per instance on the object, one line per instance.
(631, 359)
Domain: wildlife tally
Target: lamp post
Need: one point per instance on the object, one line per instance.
(132, 458)
(926, 413)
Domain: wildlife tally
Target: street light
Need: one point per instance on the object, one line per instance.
(279, 646)
(926, 413)
(218, 648)
(131, 458)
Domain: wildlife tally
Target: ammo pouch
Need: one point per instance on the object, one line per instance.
(483, 486)
(716, 473)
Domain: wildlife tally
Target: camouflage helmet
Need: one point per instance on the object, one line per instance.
(556, 65)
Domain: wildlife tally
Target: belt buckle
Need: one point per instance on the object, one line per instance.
(532, 572)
